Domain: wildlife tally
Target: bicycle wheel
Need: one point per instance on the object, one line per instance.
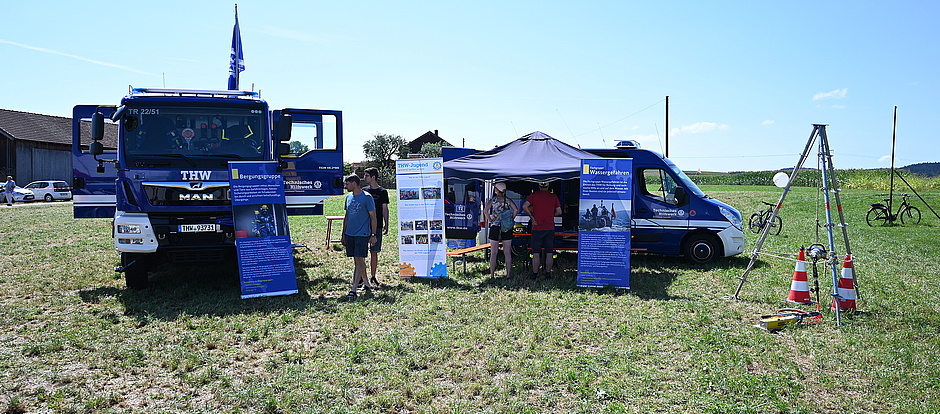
(910, 215)
(754, 223)
(776, 226)
(877, 217)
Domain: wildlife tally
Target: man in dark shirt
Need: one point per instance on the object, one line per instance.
(371, 177)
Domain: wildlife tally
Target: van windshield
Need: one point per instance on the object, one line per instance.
(169, 135)
(690, 186)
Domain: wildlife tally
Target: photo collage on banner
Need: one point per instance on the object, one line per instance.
(421, 247)
(604, 223)
(262, 237)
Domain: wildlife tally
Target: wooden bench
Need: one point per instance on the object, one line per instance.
(461, 254)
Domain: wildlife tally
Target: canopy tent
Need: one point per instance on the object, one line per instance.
(533, 157)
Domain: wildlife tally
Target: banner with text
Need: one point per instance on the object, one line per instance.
(262, 237)
(604, 223)
(421, 247)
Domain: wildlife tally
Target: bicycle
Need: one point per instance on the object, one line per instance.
(879, 215)
(760, 219)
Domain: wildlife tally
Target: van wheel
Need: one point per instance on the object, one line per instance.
(136, 275)
(700, 248)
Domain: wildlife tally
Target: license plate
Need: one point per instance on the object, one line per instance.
(198, 228)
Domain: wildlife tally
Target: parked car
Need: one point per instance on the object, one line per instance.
(21, 194)
(49, 190)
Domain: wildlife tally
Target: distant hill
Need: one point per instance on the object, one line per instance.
(927, 169)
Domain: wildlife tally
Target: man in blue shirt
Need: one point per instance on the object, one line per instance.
(358, 230)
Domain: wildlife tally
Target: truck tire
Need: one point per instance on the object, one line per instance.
(136, 275)
(700, 248)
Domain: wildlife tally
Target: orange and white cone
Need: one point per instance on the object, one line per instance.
(799, 288)
(846, 289)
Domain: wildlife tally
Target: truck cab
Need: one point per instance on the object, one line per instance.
(166, 183)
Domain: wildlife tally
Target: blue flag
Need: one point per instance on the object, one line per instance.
(237, 64)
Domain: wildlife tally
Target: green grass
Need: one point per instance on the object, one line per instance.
(73, 339)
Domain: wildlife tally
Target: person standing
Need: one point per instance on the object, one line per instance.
(380, 196)
(8, 189)
(501, 212)
(358, 231)
(542, 207)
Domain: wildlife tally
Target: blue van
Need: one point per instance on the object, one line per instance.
(671, 215)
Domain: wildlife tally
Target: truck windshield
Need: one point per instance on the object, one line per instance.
(690, 186)
(189, 136)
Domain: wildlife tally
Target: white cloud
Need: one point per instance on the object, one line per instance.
(886, 158)
(768, 122)
(836, 94)
(698, 128)
(84, 59)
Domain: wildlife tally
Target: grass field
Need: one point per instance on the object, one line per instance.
(73, 339)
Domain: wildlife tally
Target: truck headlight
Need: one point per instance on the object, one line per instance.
(128, 228)
(735, 219)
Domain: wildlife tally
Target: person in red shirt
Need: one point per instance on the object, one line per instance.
(542, 207)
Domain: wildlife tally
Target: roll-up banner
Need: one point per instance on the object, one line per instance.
(262, 237)
(604, 223)
(421, 247)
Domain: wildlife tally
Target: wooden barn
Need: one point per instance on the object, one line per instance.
(39, 147)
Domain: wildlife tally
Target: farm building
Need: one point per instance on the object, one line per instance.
(39, 147)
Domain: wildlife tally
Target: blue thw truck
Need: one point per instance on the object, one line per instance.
(166, 185)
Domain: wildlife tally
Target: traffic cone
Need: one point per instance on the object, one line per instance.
(846, 290)
(799, 288)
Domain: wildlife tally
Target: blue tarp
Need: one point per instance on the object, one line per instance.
(533, 157)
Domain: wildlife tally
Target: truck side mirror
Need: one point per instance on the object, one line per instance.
(95, 148)
(283, 149)
(284, 126)
(97, 126)
(682, 197)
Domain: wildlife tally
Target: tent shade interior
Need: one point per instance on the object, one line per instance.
(533, 157)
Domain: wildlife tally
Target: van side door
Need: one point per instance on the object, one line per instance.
(660, 218)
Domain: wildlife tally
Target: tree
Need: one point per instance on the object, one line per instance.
(431, 150)
(297, 147)
(383, 149)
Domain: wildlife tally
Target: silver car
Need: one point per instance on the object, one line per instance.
(49, 190)
(20, 194)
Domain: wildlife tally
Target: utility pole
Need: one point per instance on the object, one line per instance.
(894, 137)
(667, 126)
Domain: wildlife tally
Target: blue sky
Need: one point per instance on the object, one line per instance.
(746, 79)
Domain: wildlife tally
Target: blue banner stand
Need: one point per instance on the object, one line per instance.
(604, 223)
(262, 236)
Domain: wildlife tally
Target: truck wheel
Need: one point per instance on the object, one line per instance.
(700, 248)
(136, 275)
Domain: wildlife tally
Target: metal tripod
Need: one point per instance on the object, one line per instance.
(829, 183)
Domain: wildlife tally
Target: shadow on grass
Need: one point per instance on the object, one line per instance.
(650, 278)
(215, 290)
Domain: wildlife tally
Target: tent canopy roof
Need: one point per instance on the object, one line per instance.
(533, 157)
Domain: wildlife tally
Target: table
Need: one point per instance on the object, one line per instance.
(329, 229)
